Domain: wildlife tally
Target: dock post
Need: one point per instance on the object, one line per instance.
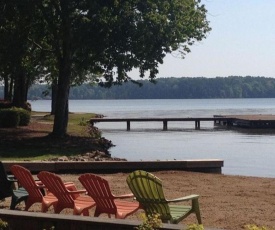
(128, 125)
(165, 125)
(197, 124)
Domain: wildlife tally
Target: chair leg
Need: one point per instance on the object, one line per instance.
(97, 213)
(196, 209)
(85, 212)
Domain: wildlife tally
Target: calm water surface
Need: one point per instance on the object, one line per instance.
(245, 152)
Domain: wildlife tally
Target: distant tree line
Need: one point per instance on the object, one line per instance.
(170, 88)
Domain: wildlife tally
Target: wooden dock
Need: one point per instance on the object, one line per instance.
(243, 121)
(256, 121)
(196, 120)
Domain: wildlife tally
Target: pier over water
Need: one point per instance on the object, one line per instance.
(196, 120)
(243, 121)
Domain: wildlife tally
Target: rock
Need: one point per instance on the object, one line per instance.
(89, 156)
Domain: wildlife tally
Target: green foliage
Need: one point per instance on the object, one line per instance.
(177, 88)
(4, 225)
(5, 104)
(82, 122)
(150, 223)
(24, 116)
(94, 132)
(9, 118)
(195, 227)
(51, 228)
(99, 42)
(255, 227)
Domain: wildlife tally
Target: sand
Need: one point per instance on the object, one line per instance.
(226, 202)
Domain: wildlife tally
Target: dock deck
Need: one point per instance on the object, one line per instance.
(244, 121)
(196, 120)
(256, 121)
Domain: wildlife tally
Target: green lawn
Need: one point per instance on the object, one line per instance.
(40, 148)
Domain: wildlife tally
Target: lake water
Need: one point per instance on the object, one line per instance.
(244, 151)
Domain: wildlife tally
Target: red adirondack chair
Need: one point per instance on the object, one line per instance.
(67, 195)
(35, 189)
(98, 188)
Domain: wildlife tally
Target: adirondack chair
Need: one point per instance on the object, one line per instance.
(8, 188)
(67, 195)
(148, 190)
(34, 188)
(98, 188)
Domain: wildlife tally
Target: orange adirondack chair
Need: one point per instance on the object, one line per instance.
(67, 195)
(98, 188)
(34, 189)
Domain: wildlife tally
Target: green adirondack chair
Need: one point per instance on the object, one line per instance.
(148, 191)
(7, 189)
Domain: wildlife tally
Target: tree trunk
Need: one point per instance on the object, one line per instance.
(65, 65)
(7, 95)
(54, 96)
(10, 92)
(19, 95)
(62, 107)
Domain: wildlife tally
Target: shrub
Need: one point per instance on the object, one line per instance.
(255, 227)
(195, 227)
(5, 104)
(150, 223)
(24, 115)
(94, 132)
(9, 118)
(3, 225)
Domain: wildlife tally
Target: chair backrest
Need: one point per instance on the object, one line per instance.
(5, 184)
(26, 180)
(148, 191)
(98, 188)
(56, 186)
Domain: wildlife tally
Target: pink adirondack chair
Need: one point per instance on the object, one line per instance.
(35, 189)
(98, 188)
(68, 196)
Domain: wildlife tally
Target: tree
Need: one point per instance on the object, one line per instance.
(20, 60)
(110, 38)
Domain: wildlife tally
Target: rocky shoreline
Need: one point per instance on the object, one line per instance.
(90, 156)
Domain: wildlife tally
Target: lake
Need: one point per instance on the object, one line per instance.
(244, 151)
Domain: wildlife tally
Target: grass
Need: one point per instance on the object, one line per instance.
(34, 143)
(77, 122)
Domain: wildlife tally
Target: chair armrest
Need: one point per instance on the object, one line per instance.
(76, 191)
(38, 182)
(68, 183)
(11, 178)
(130, 195)
(185, 198)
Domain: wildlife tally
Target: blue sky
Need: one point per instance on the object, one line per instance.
(241, 43)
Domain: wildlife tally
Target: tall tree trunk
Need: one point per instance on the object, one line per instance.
(62, 107)
(11, 87)
(54, 96)
(19, 95)
(6, 88)
(65, 64)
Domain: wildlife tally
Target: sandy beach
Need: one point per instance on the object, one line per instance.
(226, 202)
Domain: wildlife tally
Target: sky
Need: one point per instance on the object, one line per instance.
(241, 43)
